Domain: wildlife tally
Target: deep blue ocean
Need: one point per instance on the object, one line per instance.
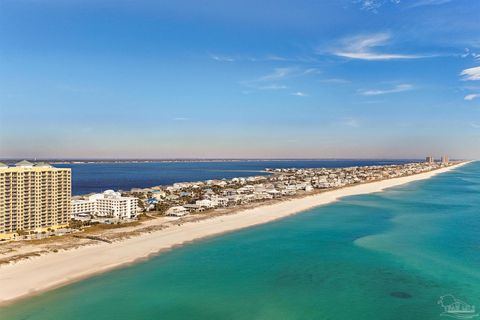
(98, 177)
(390, 255)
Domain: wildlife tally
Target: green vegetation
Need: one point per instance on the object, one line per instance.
(161, 208)
(100, 227)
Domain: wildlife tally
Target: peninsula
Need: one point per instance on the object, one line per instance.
(38, 267)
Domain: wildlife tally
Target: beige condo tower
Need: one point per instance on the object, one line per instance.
(33, 197)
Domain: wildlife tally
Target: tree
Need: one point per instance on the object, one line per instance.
(161, 208)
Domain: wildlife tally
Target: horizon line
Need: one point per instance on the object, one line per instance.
(55, 159)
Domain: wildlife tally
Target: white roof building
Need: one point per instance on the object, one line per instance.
(205, 203)
(107, 204)
(178, 211)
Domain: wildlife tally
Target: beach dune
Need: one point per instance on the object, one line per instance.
(52, 270)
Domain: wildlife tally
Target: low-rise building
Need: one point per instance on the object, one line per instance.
(205, 203)
(82, 209)
(177, 211)
(109, 204)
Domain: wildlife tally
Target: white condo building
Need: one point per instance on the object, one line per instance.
(105, 205)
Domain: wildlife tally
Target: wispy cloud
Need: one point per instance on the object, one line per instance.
(181, 119)
(468, 53)
(395, 89)
(299, 94)
(273, 86)
(470, 97)
(475, 124)
(261, 58)
(420, 3)
(373, 5)
(363, 47)
(286, 72)
(277, 74)
(273, 57)
(471, 74)
(222, 58)
(335, 80)
(350, 122)
(274, 79)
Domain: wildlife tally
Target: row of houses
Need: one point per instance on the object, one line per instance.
(182, 198)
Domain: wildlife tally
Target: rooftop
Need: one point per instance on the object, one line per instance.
(27, 164)
(24, 163)
(43, 164)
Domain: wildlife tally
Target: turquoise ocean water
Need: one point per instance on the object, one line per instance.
(388, 255)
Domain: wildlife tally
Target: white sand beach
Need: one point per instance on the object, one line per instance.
(52, 270)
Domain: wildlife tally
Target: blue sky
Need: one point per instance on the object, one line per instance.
(276, 79)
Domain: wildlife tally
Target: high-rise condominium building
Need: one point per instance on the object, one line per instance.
(444, 159)
(33, 197)
(429, 159)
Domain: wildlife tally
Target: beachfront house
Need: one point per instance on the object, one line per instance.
(229, 192)
(193, 207)
(177, 211)
(205, 203)
(274, 193)
(219, 201)
(158, 194)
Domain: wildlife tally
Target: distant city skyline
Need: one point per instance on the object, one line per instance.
(277, 79)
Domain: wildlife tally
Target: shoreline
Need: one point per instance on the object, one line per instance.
(193, 160)
(46, 272)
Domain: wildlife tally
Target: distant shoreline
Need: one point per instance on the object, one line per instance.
(52, 270)
(193, 160)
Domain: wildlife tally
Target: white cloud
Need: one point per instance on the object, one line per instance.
(419, 3)
(261, 58)
(468, 53)
(471, 74)
(299, 94)
(375, 56)
(475, 125)
(362, 47)
(374, 5)
(335, 80)
(273, 86)
(470, 97)
(181, 119)
(222, 58)
(274, 79)
(286, 72)
(395, 89)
